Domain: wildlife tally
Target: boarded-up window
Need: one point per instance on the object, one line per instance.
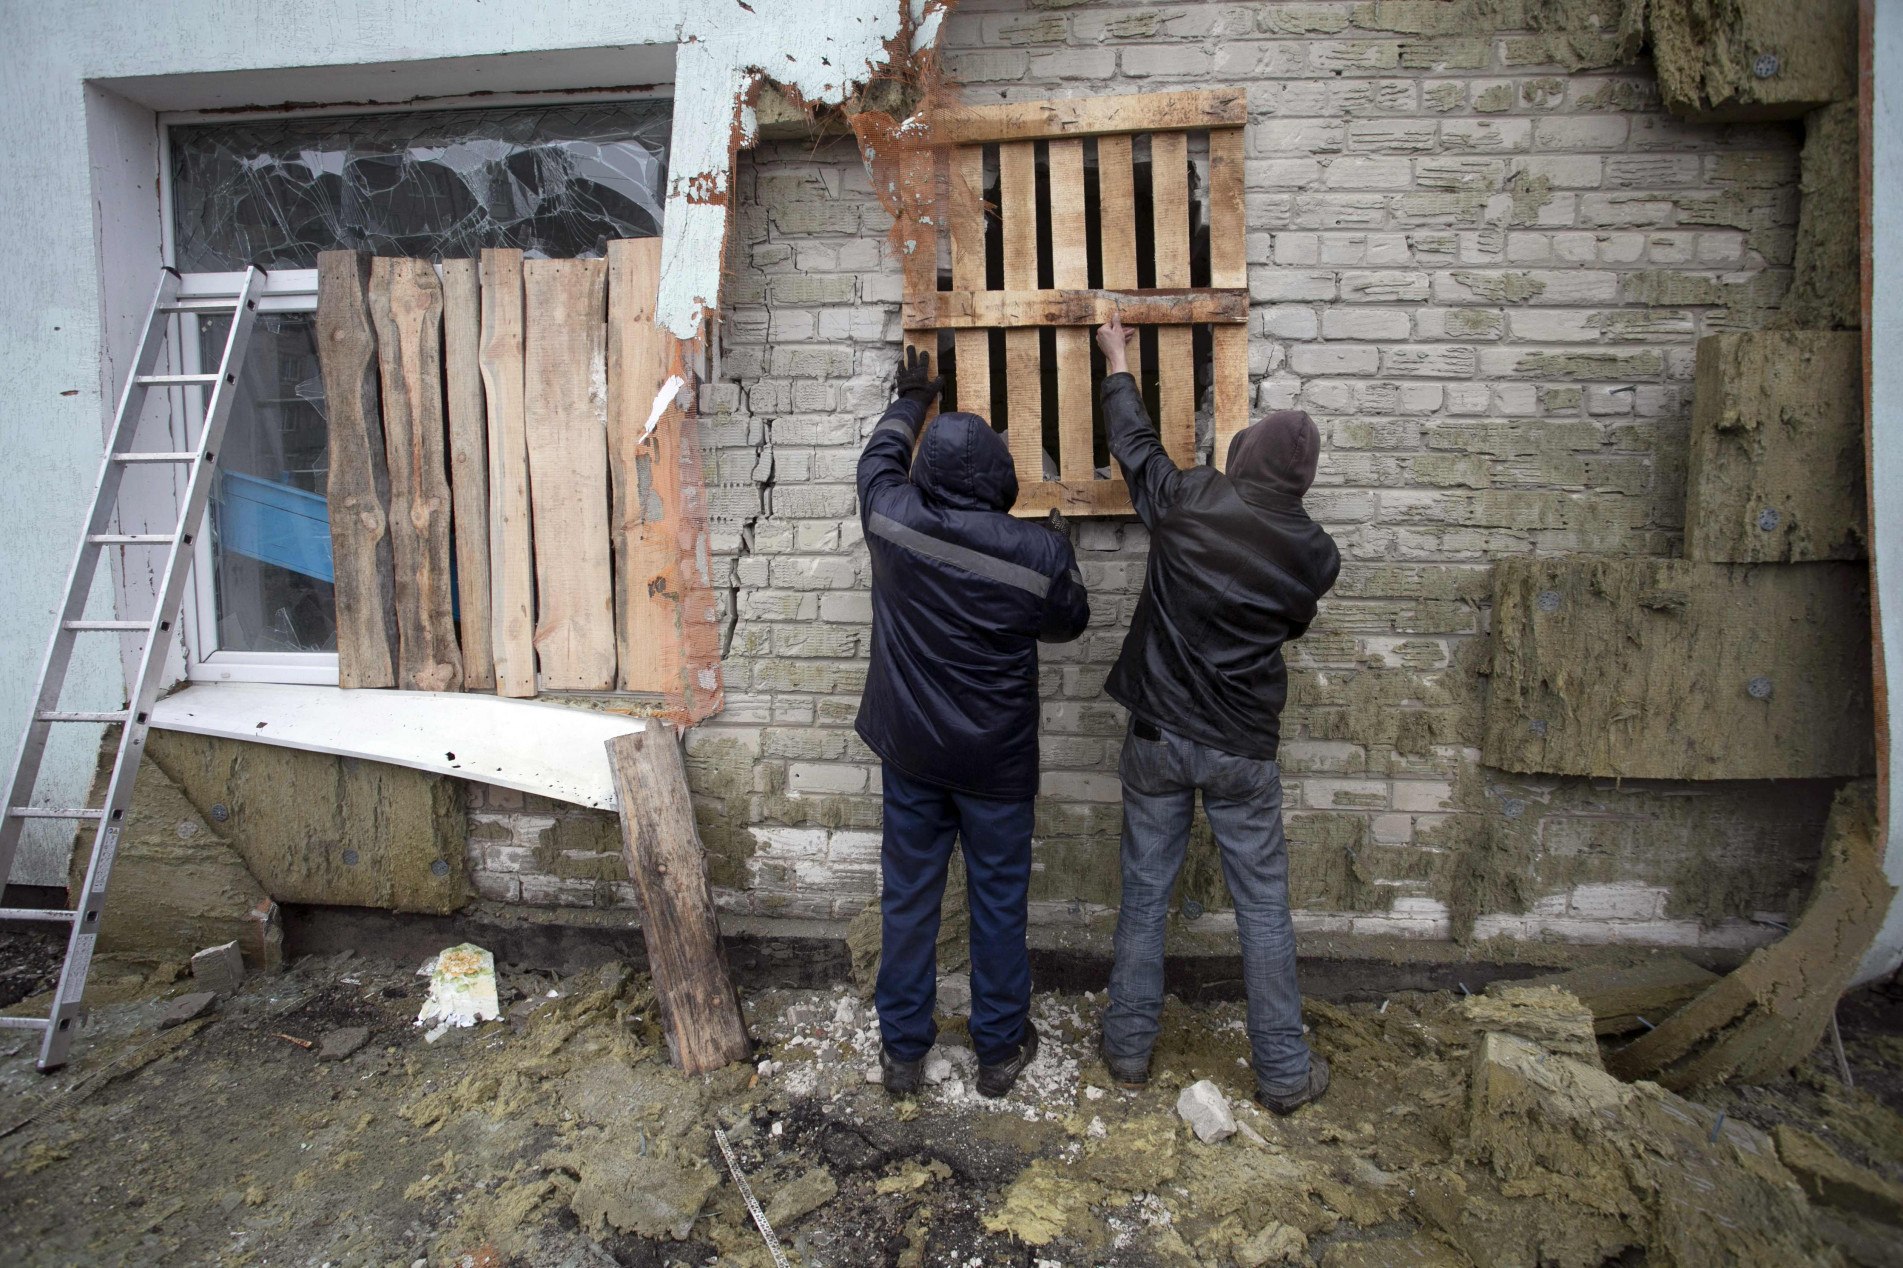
(1057, 214)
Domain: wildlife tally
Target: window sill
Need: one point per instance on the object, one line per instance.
(545, 749)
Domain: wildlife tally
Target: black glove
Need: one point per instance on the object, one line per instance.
(915, 381)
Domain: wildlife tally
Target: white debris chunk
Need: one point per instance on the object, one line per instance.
(462, 990)
(937, 1068)
(1204, 1107)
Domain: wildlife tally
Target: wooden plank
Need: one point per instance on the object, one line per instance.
(358, 487)
(565, 373)
(468, 469)
(1087, 116)
(1070, 267)
(406, 305)
(966, 215)
(1228, 266)
(511, 564)
(1077, 497)
(1024, 386)
(700, 1012)
(918, 246)
(963, 309)
(1175, 345)
(645, 472)
(1117, 230)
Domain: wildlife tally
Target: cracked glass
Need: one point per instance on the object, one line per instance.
(556, 182)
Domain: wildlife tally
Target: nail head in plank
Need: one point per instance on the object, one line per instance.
(468, 468)
(699, 1008)
(1086, 116)
(406, 306)
(357, 488)
(565, 371)
(512, 569)
(645, 470)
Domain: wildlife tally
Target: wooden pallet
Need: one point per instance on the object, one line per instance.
(1021, 306)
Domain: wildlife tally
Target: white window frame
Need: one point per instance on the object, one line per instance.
(289, 291)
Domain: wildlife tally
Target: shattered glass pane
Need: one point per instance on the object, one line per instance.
(555, 182)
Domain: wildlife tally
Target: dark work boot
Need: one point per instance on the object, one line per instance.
(901, 1078)
(1289, 1102)
(995, 1080)
(1128, 1073)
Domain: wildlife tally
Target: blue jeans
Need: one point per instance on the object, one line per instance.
(1242, 797)
(921, 821)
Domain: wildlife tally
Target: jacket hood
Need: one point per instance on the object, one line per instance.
(1277, 453)
(964, 464)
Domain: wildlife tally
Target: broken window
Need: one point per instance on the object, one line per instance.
(555, 182)
(1059, 213)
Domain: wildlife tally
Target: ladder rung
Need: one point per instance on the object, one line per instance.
(107, 625)
(23, 1023)
(175, 380)
(208, 304)
(56, 812)
(131, 539)
(44, 915)
(156, 455)
(56, 716)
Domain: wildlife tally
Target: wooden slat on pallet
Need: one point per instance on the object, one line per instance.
(1076, 497)
(1175, 345)
(918, 243)
(967, 224)
(564, 372)
(1228, 266)
(358, 488)
(1024, 381)
(511, 564)
(646, 471)
(700, 1013)
(468, 469)
(1153, 307)
(1070, 268)
(406, 305)
(1117, 230)
(1085, 116)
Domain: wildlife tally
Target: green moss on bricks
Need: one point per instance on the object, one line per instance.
(583, 846)
(1501, 288)
(1592, 365)
(1494, 100)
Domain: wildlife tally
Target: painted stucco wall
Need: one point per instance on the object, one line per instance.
(77, 122)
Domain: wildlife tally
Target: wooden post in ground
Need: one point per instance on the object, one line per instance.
(699, 1010)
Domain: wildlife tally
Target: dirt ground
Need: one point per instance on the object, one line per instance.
(560, 1136)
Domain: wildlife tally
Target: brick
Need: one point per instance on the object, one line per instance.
(1165, 61)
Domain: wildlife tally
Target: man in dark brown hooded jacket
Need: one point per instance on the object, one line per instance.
(1236, 570)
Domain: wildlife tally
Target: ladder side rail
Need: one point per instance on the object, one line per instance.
(125, 772)
(79, 578)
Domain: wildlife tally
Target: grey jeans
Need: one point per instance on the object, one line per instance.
(1242, 797)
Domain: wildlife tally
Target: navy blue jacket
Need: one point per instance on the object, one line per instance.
(962, 593)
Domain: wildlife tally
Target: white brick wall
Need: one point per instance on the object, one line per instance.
(1454, 252)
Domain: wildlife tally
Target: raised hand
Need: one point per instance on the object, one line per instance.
(1115, 342)
(915, 381)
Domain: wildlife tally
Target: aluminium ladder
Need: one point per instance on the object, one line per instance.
(199, 460)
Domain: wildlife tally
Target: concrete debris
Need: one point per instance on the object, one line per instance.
(462, 989)
(188, 1007)
(938, 1068)
(1834, 1180)
(219, 968)
(1203, 1106)
(341, 1043)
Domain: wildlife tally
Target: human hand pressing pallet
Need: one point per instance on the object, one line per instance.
(1115, 341)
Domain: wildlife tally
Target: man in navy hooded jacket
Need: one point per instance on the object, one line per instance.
(962, 593)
